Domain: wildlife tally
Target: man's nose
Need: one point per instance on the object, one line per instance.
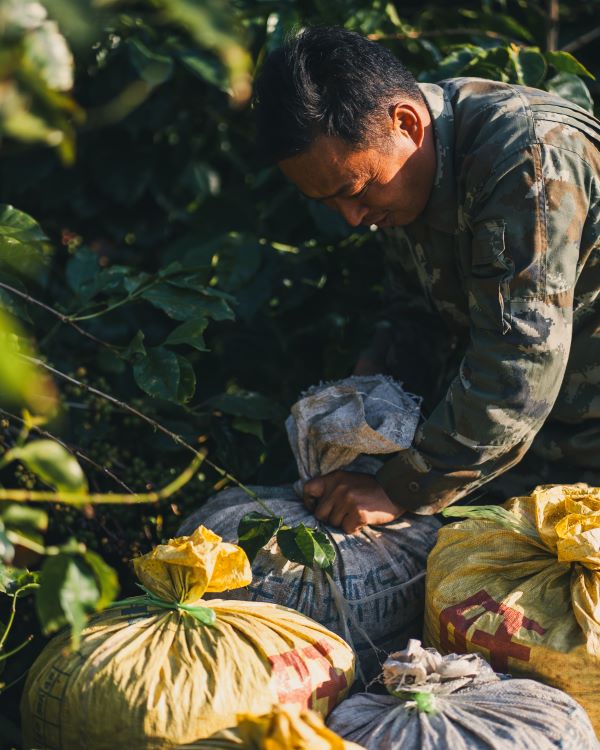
(352, 211)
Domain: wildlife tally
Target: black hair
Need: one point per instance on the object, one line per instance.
(326, 80)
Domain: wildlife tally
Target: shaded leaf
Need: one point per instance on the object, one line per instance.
(532, 66)
(255, 530)
(247, 404)
(22, 240)
(191, 333)
(81, 272)
(571, 87)
(158, 373)
(249, 427)
(12, 579)
(154, 68)
(187, 380)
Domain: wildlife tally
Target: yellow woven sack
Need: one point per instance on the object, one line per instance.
(167, 668)
(523, 588)
(284, 728)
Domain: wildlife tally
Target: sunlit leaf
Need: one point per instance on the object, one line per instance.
(53, 464)
(306, 546)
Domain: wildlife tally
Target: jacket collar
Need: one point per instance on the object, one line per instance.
(441, 211)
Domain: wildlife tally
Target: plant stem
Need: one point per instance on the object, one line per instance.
(16, 649)
(130, 297)
(76, 451)
(79, 498)
(61, 316)
(13, 611)
(157, 426)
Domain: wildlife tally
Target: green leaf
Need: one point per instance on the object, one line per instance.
(571, 87)
(564, 62)
(82, 272)
(106, 579)
(532, 66)
(255, 530)
(249, 427)
(306, 546)
(53, 464)
(182, 303)
(190, 333)
(22, 249)
(247, 404)
(68, 593)
(187, 380)
(153, 67)
(13, 579)
(136, 348)
(7, 551)
(25, 525)
(158, 373)
(10, 302)
(207, 68)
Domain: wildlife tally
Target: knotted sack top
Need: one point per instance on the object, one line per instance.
(187, 567)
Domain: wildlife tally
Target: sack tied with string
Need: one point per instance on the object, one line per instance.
(376, 589)
(283, 728)
(459, 703)
(520, 584)
(169, 667)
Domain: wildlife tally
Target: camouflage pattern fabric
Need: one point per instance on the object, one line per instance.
(506, 256)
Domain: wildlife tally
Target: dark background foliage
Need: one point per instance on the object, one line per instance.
(216, 291)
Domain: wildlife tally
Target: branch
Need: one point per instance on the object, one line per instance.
(157, 426)
(63, 318)
(74, 450)
(552, 25)
(78, 498)
(459, 31)
(582, 40)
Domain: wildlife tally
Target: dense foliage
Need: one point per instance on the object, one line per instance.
(162, 291)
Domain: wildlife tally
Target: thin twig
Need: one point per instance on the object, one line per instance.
(77, 451)
(432, 33)
(552, 25)
(61, 316)
(157, 426)
(582, 40)
(80, 497)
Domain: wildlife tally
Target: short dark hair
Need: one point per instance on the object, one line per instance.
(325, 80)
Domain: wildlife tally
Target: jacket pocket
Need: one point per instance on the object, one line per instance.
(489, 281)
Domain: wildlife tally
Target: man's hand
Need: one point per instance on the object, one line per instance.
(350, 500)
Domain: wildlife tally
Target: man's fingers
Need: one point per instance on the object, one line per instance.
(311, 492)
(351, 523)
(324, 508)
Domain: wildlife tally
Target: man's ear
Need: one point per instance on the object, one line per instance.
(406, 122)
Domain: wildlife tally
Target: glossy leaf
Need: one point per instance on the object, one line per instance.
(255, 530)
(106, 579)
(564, 62)
(306, 546)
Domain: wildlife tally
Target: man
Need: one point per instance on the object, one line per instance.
(497, 189)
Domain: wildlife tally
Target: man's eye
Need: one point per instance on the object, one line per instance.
(361, 192)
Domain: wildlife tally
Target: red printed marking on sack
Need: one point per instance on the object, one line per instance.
(306, 677)
(499, 644)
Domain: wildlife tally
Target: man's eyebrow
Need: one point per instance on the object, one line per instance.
(346, 186)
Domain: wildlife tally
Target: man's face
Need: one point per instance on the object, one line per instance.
(387, 185)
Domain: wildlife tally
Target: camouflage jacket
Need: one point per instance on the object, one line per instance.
(507, 252)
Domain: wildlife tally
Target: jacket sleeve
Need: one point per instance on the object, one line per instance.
(525, 221)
